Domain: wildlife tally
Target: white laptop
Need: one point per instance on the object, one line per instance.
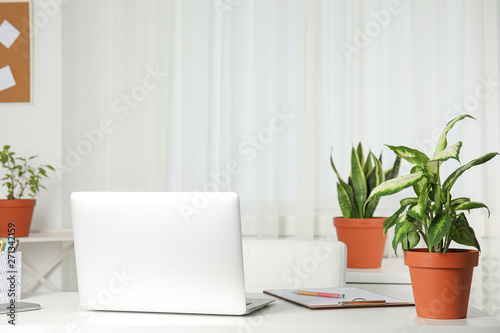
(175, 252)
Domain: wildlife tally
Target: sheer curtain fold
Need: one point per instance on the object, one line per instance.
(251, 95)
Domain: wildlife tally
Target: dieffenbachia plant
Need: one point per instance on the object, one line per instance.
(433, 215)
(365, 176)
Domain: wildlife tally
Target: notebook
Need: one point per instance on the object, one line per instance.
(177, 252)
(351, 298)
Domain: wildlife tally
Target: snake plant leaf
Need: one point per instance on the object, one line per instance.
(380, 172)
(442, 144)
(334, 168)
(368, 164)
(472, 205)
(463, 234)
(345, 200)
(439, 228)
(375, 176)
(450, 152)
(358, 182)
(450, 181)
(361, 156)
(396, 185)
(393, 173)
(345, 189)
(411, 155)
(400, 232)
(370, 207)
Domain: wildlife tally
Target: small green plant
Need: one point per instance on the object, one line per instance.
(21, 179)
(433, 215)
(365, 176)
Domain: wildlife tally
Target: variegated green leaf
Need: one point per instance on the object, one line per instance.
(442, 144)
(450, 181)
(458, 201)
(400, 232)
(408, 201)
(396, 185)
(450, 152)
(432, 167)
(439, 228)
(472, 205)
(417, 212)
(419, 186)
(359, 182)
(411, 240)
(463, 234)
(411, 155)
(389, 222)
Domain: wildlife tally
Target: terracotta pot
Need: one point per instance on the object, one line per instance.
(441, 281)
(19, 212)
(364, 239)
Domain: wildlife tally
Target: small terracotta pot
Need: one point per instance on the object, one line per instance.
(441, 281)
(19, 212)
(364, 239)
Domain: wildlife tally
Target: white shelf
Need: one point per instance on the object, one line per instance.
(47, 235)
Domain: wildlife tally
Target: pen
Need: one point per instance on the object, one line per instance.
(320, 294)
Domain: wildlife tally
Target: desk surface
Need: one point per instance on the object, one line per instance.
(61, 313)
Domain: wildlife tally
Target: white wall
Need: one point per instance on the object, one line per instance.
(36, 129)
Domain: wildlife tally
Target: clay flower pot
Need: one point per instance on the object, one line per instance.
(441, 281)
(365, 240)
(19, 212)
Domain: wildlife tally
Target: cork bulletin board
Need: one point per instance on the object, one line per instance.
(16, 52)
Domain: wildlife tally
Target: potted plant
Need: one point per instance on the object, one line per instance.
(22, 180)
(358, 229)
(441, 276)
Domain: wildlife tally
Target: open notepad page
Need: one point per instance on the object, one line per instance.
(351, 294)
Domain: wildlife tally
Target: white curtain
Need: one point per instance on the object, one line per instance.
(250, 96)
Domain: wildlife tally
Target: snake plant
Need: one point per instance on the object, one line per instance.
(366, 174)
(432, 215)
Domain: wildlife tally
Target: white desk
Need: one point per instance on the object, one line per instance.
(61, 313)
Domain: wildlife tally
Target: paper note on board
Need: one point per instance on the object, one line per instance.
(8, 34)
(6, 78)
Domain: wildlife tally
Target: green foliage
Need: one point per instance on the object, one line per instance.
(21, 178)
(433, 215)
(366, 174)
